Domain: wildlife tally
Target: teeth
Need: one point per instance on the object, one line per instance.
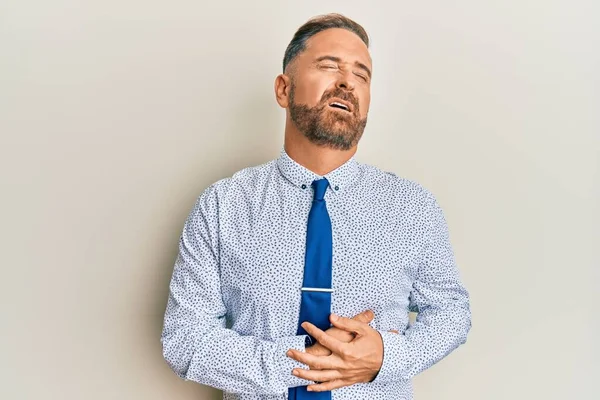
(339, 104)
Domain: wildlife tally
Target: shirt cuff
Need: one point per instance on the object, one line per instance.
(287, 364)
(396, 358)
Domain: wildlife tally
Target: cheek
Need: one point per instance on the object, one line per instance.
(309, 94)
(365, 102)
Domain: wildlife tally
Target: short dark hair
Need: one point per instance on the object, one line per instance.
(316, 25)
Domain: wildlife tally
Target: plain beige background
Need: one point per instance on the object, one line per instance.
(115, 115)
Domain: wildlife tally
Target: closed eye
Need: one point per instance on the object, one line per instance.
(328, 66)
(362, 77)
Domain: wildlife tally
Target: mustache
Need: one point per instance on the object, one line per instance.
(341, 94)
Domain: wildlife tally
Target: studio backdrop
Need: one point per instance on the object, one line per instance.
(116, 115)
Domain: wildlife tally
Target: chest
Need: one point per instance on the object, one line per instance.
(262, 260)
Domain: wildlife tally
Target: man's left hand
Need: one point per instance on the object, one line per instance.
(355, 362)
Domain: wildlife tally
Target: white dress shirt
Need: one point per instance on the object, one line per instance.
(234, 297)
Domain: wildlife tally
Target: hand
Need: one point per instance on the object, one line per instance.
(318, 349)
(357, 361)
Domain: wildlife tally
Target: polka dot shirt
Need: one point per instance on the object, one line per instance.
(234, 296)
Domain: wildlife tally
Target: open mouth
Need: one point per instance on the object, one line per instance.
(341, 105)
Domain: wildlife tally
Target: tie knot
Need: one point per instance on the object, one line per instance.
(320, 186)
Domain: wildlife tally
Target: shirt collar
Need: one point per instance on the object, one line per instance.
(300, 176)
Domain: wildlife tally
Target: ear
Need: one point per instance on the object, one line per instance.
(282, 90)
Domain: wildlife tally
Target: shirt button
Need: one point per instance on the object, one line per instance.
(303, 186)
(337, 187)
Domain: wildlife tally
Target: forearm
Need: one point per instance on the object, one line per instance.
(223, 359)
(432, 337)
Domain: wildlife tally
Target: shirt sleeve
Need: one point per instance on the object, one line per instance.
(196, 344)
(441, 302)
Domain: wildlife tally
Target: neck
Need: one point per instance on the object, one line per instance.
(319, 159)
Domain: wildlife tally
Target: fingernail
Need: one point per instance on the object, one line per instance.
(308, 388)
(334, 317)
(295, 372)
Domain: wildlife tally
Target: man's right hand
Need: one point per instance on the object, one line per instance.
(319, 350)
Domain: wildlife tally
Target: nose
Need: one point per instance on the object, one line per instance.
(344, 82)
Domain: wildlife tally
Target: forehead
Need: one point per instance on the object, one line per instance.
(340, 43)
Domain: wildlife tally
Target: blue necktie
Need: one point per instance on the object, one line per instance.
(315, 305)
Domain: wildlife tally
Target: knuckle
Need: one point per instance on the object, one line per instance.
(345, 352)
(349, 354)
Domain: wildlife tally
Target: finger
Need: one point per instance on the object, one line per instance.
(348, 324)
(326, 340)
(365, 316)
(325, 386)
(317, 374)
(315, 362)
(393, 330)
(318, 350)
(340, 334)
(324, 351)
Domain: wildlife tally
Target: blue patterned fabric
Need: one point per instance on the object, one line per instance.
(235, 292)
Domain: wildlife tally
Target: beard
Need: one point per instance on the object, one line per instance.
(340, 130)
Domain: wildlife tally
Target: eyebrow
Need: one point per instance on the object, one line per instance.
(339, 60)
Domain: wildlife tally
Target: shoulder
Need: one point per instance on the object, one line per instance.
(398, 187)
(238, 183)
(411, 199)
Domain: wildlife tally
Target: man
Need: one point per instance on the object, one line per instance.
(294, 278)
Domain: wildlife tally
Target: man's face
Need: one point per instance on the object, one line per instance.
(331, 89)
